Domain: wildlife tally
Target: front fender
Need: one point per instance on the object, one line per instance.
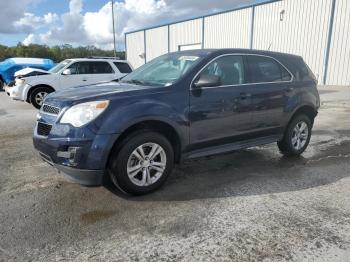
(34, 81)
(119, 118)
(25, 90)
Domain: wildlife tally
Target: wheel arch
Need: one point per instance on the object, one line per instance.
(307, 110)
(158, 126)
(36, 86)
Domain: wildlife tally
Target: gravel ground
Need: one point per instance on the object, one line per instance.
(251, 205)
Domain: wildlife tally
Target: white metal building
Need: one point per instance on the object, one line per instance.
(318, 30)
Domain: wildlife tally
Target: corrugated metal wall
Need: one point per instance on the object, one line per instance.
(185, 33)
(339, 58)
(135, 47)
(228, 30)
(156, 42)
(293, 26)
(302, 31)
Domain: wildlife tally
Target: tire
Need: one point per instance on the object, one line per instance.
(1, 85)
(137, 181)
(294, 142)
(37, 96)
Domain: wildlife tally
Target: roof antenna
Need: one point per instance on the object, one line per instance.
(269, 47)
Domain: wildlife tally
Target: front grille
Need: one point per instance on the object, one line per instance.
(43, 129)
(50, 109)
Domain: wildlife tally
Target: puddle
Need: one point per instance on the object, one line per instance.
(92, 217)
(3, 112)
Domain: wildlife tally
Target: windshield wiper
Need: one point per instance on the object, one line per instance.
(134, 81)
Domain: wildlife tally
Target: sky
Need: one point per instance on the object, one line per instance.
(89, 22)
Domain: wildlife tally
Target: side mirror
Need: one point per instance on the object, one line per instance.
(207, 81)
(67, 72)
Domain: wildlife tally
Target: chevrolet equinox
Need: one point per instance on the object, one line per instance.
(180, 105)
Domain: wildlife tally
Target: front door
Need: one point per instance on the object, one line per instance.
(79, 75)
(221, 113)
(87, 73)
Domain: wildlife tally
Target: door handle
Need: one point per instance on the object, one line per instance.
(244, 95)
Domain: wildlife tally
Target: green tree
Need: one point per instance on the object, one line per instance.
(56, 53)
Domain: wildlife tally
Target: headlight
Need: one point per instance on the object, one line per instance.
(84, 113)
(20, 81)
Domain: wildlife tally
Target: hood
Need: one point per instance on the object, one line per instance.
(26, 72)
(106, 90)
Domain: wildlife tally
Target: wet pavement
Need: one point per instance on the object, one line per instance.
(251, 205)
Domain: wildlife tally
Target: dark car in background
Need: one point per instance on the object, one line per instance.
(10, 66)
(181, 105)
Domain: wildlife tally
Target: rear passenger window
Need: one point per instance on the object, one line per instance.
(229, 68)
(123, 68)
(100, 68)
(266, 70)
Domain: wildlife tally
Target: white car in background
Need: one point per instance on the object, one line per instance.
(33, 86)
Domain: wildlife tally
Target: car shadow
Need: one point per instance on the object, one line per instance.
(256, 171)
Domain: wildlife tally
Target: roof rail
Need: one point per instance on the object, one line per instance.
(103, 57)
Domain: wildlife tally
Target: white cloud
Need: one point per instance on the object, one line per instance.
(95, 28)
(75, 6)
(14, 19)
(29, 22)
(31, 38)
(11, 11)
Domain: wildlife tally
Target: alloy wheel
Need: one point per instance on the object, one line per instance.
(39, 97)
(300, 135)
(146, 164)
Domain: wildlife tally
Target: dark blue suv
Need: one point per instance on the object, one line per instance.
(181, 105)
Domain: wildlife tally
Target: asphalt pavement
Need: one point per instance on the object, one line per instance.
(251, 205)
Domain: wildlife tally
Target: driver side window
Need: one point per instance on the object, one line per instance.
(79, 68)
(230, 70)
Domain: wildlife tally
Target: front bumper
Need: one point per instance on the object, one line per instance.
(83, 159)
(82, 176)
(15, 92)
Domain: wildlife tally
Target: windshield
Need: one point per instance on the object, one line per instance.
(162, 71)
(59, 66)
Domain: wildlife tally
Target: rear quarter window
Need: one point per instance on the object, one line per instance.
(123, 68)
(304, 73)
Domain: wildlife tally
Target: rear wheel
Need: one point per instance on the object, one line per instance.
(142, 164)
(38, 95)
(297, 136)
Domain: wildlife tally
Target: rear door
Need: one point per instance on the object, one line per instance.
(220, 114)
(270, 86)
(100, 71)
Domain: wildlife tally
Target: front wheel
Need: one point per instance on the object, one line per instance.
(38, 95)
(297, 136)
(142, 164)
